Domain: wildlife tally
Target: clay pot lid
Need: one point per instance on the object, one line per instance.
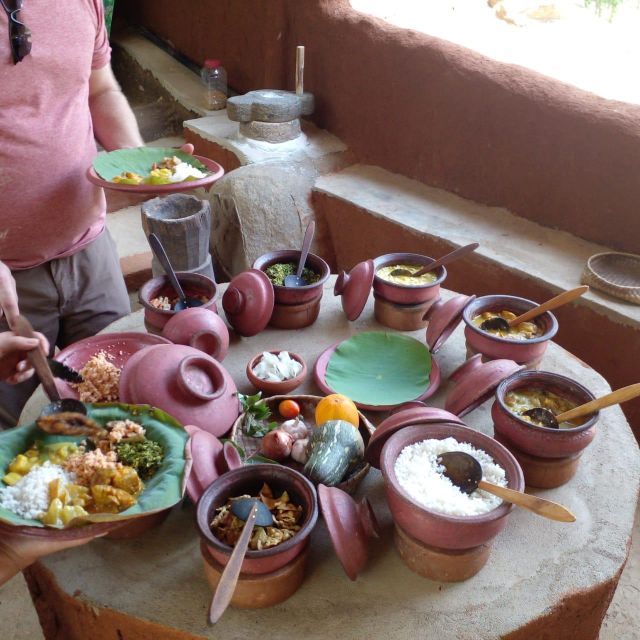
(408, 414)
(475, 381)
(351, 525)
(354, 288)
(248, 302)
(444, 319)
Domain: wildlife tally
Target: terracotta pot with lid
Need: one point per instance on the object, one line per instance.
(185, 382)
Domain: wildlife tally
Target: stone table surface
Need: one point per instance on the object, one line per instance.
(539, 572)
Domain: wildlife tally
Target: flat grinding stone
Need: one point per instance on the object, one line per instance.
(269, 105)
(538, 570)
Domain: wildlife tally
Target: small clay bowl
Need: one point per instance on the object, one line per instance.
(543, 442)
(437, 529)
(404, 293)
(194, 285)
(526, 352)
(295, 295)
(276, 388)
(249, 480)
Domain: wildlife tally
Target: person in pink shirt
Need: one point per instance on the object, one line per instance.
(58, 264)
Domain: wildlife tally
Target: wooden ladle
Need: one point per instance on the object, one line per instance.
(253, 512)
(549, 419)
(466, 473)
(500, 324)
(440, 262)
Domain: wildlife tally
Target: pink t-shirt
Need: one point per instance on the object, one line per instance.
(48, 208)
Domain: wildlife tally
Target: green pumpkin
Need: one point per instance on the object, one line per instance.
(334, 447)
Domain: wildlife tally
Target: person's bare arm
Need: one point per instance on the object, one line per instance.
(114, 124)
(8, 295)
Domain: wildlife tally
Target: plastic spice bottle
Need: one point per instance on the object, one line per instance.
(214, 79)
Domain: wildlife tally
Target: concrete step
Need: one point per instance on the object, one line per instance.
(370, 211)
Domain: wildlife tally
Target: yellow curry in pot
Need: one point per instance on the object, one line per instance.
(426, 278)
(522, 331)
(520, 400)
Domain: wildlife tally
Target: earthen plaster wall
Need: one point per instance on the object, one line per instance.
(431, 110)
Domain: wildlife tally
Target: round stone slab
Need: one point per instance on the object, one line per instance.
(269, 105)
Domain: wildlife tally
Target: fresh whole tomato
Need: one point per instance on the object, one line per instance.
(289, 409)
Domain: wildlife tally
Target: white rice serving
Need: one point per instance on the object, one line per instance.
(422, 478)
(29, 497)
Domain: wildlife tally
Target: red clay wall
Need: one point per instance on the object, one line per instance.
(491, 132)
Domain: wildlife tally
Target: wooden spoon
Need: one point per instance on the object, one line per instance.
(229, 578)
(466, 473)
(500, 324)
(549, 419)
(440, 262)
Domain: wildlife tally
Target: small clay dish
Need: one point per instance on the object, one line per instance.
(295, 295)
(194, 285)
(276, 388)
(437, 529)
(249, 480)
(527, 352)
(201, 329)
(543, 442)
(404, 293)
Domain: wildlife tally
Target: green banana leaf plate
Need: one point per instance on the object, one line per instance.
(107, 165)
(162, 491)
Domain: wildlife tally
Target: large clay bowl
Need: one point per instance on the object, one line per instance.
(437, 529)
(404, 293)
(201, 329)
(528, 352)
(295, 295)
(119, 346)
(249, 480)
(193, 284)
(543, 441)
(276, 388)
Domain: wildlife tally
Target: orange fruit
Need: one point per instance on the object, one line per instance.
(337, 407)
(289, 409)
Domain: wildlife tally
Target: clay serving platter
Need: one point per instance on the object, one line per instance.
(119, 346)
(215, 173)
(251, 445)
(320, 371)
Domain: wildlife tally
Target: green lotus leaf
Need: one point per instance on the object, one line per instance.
(138, 160)
(162, 491)
(378, 368)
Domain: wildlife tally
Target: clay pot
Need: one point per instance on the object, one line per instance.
(527, 352)
(186, 383)
(538, 441)
(403, 293)
(201, 329)
(437, 529)
(249, 480)
(295, 307)
(402, 317)
(193, 284)
(276, 388)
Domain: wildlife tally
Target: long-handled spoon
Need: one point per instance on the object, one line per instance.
(253, 512)
(297, 280)
(500, 324)
(163, 259)
(466, 473)
(440, 262)
(38, 360)
(549, 419)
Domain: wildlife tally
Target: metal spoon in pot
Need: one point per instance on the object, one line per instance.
(254, 513)
(440, 262)
(500, 324)
(466, 473)
(297, 280)
(552, 421)
(163, 259)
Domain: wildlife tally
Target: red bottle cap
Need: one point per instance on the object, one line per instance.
(212, 63)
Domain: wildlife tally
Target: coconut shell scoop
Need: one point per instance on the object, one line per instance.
(440, 262)
(547, 418)
(500, 324)
(466, 473)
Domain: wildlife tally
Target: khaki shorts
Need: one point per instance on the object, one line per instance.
(67, 299)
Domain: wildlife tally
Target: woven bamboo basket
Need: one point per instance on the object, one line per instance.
(617, 274)
(307, 404)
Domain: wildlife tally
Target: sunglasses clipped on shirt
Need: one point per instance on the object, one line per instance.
(19, 33)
